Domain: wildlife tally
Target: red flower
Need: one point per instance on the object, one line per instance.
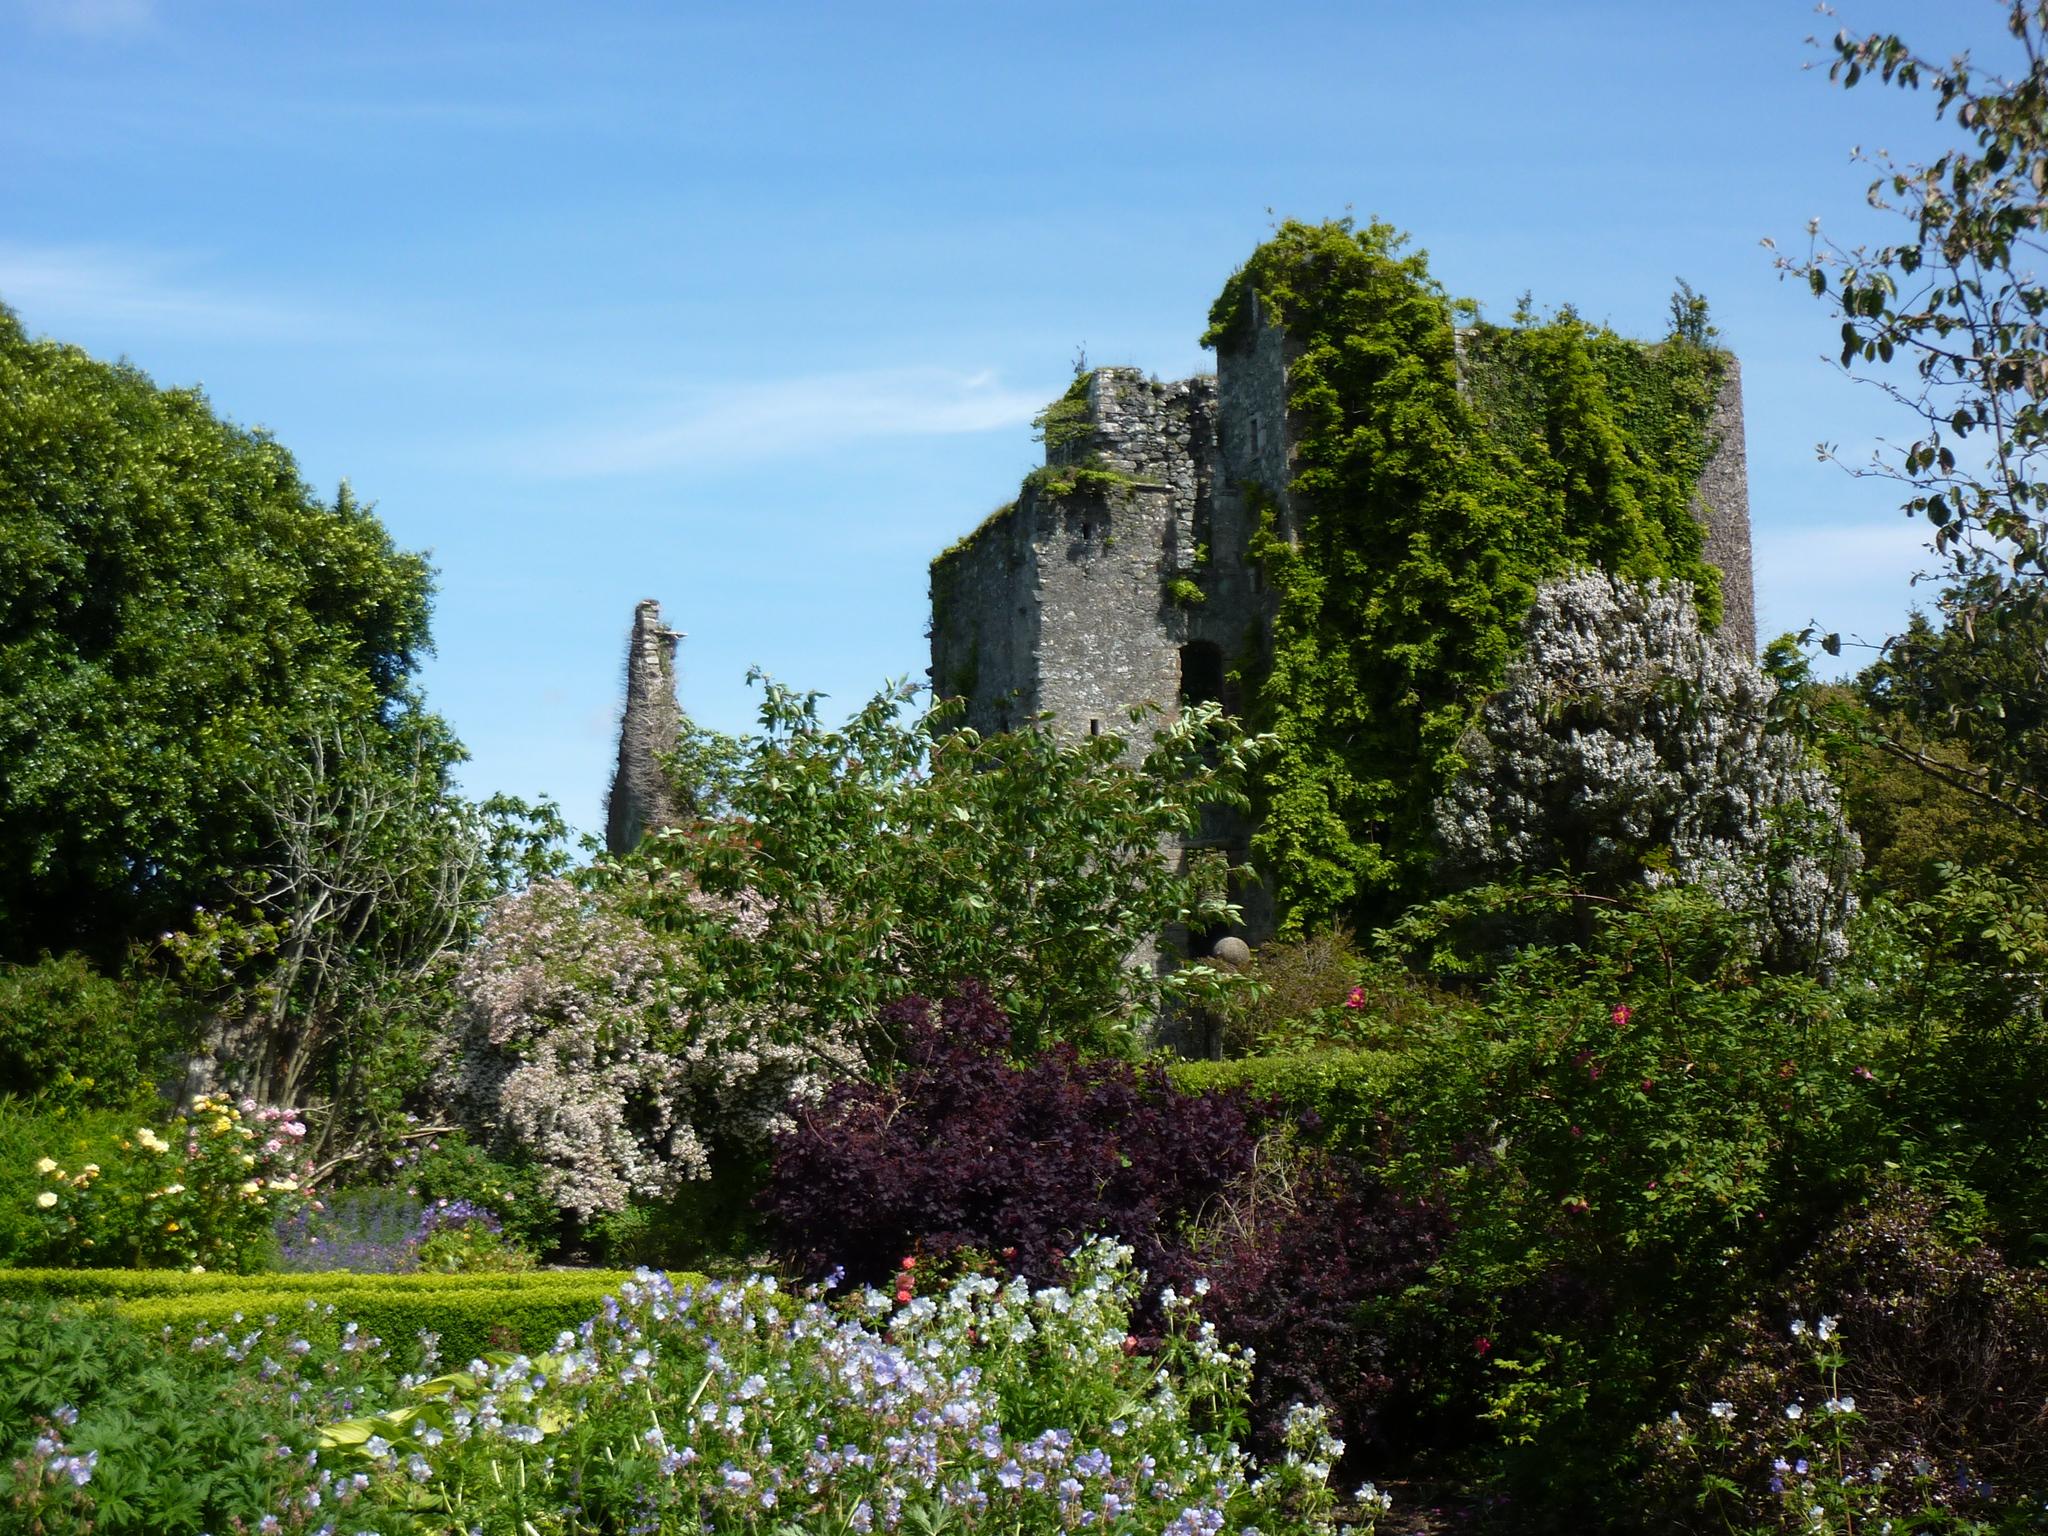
(1482, 1344)
(1356, 999)
(910, 1263)
(1130, 1343)
(1622, 1014)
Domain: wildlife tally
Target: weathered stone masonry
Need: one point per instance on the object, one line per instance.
(642, 798)
(1064, 603)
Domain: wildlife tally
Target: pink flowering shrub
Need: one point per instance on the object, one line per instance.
(200, 1194)
(580, 1047)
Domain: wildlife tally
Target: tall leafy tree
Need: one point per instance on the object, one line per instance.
(1951, 320)
(178, 614)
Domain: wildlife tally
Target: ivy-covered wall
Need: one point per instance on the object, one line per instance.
(1338, 535)
(1442, 469)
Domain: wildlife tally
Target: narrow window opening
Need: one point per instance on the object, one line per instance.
(1094, 727)
(1201, 672)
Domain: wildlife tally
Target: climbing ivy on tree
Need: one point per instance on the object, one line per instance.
(1444, 468)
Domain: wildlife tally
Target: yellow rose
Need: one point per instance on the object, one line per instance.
(170, 1226)
(284, 1183)
(46, 1199)
(252, 1186)
(46, 1165)
(91, 1170)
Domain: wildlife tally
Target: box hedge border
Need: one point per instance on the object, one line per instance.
(470, 1313)
(1347, 1091)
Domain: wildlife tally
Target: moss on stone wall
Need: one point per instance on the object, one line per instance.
(1440, 476)
(945, 565)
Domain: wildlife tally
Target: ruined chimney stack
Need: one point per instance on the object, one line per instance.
(642, 798)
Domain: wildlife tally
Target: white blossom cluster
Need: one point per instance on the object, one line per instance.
(1627, 745)
(577, 1044)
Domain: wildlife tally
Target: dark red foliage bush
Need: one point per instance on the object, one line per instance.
(1946, 1356)
(967, 1149)
(964, 1149)
(1295, 1259)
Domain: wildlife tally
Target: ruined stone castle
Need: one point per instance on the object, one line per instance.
(1120, 576)
(1083, 602)
(1067, 603)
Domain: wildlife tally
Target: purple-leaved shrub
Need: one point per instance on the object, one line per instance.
(966, 1154)
(1290, 1262)
(965, 1149)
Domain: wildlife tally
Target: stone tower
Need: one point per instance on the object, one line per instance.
(642, 798)
(1065, 600)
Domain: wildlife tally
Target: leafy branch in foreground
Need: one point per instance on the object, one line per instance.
(1958, 299)
(889, 857)
(1948, 322)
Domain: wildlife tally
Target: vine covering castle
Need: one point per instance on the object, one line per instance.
(1161, 554)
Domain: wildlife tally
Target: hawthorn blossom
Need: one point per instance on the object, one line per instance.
(575, 1047)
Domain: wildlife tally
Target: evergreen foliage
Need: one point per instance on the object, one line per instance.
(1443, 474)
(176, 607)
(72, 1038)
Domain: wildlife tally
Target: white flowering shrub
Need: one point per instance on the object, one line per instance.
(741, 1408)
(578, 1045)
(1628, 746)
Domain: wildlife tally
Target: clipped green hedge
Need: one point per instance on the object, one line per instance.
(1345, 1089)
(463, 1309)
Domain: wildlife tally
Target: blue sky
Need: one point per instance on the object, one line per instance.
(747, 307)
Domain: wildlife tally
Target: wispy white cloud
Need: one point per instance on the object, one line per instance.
(736, 423)
(66, 290)
(92, 18)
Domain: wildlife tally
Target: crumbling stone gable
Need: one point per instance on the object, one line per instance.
(642, 797)
(1065, 601)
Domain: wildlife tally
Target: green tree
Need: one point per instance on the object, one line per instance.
(831, 870)
(1948, 321)
(177, 611)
